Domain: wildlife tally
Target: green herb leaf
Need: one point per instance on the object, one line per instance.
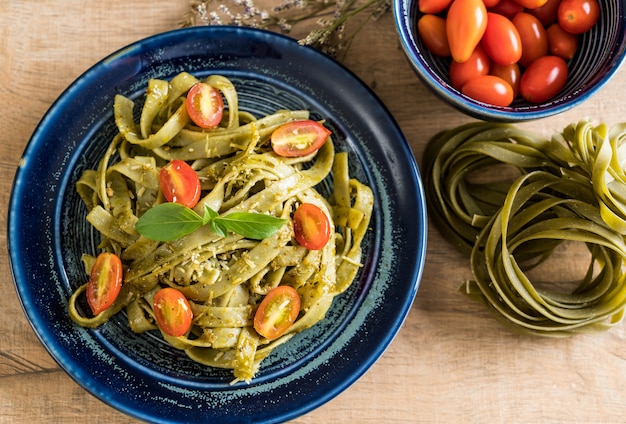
(256, 226)
(168, 221)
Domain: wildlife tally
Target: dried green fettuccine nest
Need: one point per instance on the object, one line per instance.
(537, 194)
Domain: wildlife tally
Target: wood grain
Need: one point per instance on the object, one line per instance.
(451, 362)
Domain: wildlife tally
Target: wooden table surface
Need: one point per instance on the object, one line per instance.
(451, 362)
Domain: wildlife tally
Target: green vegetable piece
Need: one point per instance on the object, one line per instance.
(170, 221)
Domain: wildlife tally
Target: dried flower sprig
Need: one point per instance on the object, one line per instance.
(331, 35)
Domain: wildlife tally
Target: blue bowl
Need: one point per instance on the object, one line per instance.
(601, 52)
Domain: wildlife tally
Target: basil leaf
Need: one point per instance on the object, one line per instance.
(209, 214)
(168, 221)
(219, 228)
(256, 226)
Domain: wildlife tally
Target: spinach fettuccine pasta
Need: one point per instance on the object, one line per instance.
(536, 194)
(239, 241)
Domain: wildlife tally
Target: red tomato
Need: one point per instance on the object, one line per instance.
(277, 311)
(560, 42)
(578, 16)
(509, 73)
(533, 37)
(543, 79)
(299, 138)
(172, 312)
(490, 3)
(508, 8)
(547, 14)
(489, 89)
(501, 40)
(180, 183)
(205, 105)
(105, 282)
(531, 4)
(311, 226)
(465, 25)
(475, 66)
(432, 29)
(433, 6)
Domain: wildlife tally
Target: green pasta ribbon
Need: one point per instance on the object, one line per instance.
(533, 194)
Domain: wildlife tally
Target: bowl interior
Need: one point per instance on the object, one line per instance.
(600, 53)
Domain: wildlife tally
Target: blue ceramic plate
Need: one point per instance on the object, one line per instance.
(139, 374)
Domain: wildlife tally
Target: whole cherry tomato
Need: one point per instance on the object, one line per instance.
(560, 42)
(543, 79)
(531, 4)
(533, 37)
(105, 282)
(490, 3)
(465, 25)
(489, 89)
(172, 311)
(299, 138)
(433, 6)
(548, 13)
(432, 29)
(477, 65)
(578, 16)
(508, 8)
(277, 311)
(510, 73)
(501, 40)
(180, 183)
(205, 105)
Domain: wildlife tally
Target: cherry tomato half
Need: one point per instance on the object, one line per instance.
(578, 16)
(466, 22)
(180, 183)
(501, 40)
(543, 79)
(205, 105)
(560, 42)
(172, 312)
(533, 37)
(547, 14)
(477, 65)
(277, 311)
(432, 29)
(433, 6)
(311, 226)
(105, 282)
(299, 138)
(489, 89)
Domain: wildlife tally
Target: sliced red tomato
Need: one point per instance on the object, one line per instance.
(172, 312)
(477, 65)
(543, 79)
(105, 282)
(180, 183)
(311, 226)
(278, 310)
(205, 105)
(578, 16)
(466, 22)
(489, 89)
(501, 40)
(299, 138)
(432, 29)
(560, 42)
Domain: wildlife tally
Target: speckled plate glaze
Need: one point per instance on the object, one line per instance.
(139, 374)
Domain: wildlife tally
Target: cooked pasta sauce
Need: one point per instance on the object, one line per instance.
(242, 285)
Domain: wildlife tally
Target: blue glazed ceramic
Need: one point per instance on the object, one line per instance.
(142, 376)
(601, 52)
